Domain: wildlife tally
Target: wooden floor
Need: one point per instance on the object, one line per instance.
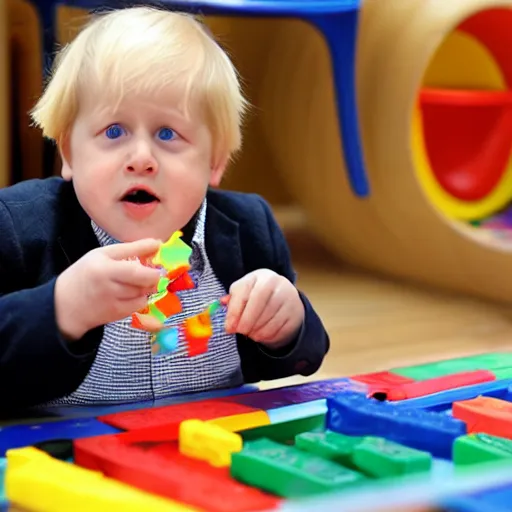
(377, 324)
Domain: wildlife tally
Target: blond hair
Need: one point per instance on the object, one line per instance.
(143, 50)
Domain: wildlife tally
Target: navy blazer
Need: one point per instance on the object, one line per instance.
(43, 230)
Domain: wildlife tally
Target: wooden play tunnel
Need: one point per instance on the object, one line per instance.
(435, 110)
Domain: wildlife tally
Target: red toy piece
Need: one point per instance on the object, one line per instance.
(381, 379)
(485, 415)
(171, 416)
(162, 470)
(430, 386)
(183, 282)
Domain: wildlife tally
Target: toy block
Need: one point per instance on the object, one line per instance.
(426, 371)
(381, 379)
(477, 448)
(379, 458)
(36, 481)
(208, 442)
(485, 414)
(18, 436)
(239, 422)
(173, 415)
(329, 445)
(289, 472)
(417, 389)
(353, 414)
(287, 431)
(291, 395)
(162, 470)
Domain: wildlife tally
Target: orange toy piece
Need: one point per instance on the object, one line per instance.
(485, 415)
(169, 304)
(198, 330)
(178, 272)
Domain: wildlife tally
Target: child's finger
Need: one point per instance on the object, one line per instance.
(239, 295)
(272, 329)
(259, 301)
(138, 249)
(134, 274)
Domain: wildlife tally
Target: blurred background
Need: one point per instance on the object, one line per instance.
(384, 149)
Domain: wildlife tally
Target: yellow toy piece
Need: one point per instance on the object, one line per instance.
(35, 481)
(239, 422)
(209, 442)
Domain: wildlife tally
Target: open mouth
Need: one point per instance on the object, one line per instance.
(139, 196)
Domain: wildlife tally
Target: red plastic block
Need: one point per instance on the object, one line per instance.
(381, 379)
(485, 415)
(172, 415)
(431, 386)
(160, 469)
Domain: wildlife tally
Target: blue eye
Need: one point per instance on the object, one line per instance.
(114, 131)
(166, 134)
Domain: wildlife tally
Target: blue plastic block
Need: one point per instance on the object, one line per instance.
(354, 414)
(297, 411)
(443, 400)
(18, 436)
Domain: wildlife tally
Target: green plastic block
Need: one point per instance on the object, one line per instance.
(477, 448)
(287, 431)
(462, 364)
(289, 472)
(379, 458)
(329, 445)
(503, 373)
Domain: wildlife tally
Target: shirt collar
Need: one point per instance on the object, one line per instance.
(193, 235)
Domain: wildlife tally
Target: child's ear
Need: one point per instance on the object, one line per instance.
(65, 155)
(218, 168)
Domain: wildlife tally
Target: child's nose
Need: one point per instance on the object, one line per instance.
(142, 160)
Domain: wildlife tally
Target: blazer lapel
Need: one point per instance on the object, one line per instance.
(76, 236)
(222, 240)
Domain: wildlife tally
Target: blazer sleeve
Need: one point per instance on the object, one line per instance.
(36, 363)
(305, 354)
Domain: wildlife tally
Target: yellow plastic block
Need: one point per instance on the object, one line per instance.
(209, 442)
(245, 421)
(35, 481)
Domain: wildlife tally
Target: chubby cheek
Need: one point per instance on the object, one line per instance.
(186, 191)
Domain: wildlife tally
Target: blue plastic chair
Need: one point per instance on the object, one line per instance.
(337, 20)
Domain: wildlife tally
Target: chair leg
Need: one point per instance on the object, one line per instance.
(340, 32)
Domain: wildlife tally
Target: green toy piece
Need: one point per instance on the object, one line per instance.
(329, 445)
(477, 448)
(289, 472)
(379, 458)
(287, 431)
(496, 360)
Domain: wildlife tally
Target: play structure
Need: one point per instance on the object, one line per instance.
(390, 123)
(434, 110)
(436, 435)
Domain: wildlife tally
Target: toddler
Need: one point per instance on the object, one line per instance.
(146, 111)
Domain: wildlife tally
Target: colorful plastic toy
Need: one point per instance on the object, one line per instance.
(267, 450)
(172, 259)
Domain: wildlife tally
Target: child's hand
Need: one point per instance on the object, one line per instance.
(266, 307)
(104, 286)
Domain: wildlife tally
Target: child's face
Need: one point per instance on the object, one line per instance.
(143, 170)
